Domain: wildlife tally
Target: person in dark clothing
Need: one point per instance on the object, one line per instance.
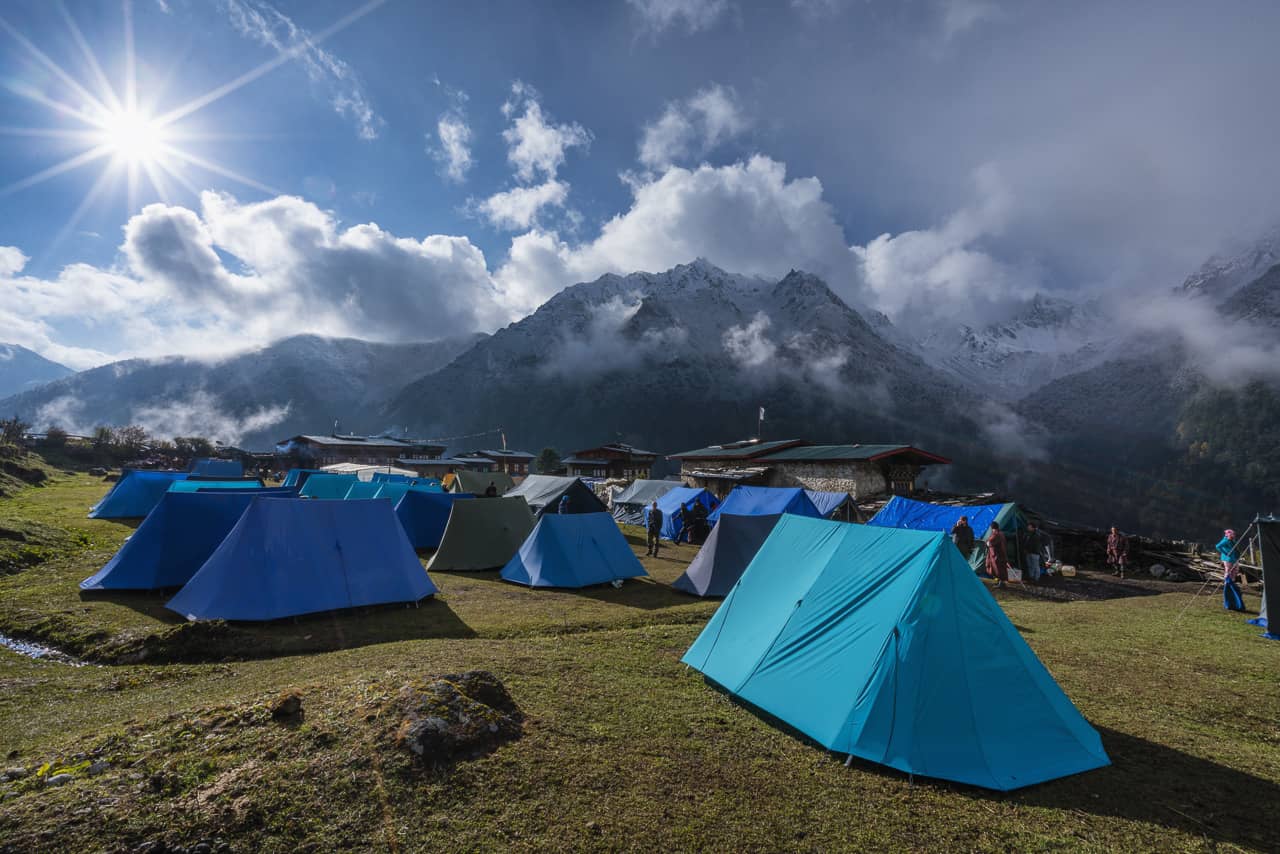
(997, 556)
(491, 491)
(962, 536)
(1117, 552)
(700, 531)
(1034, 545)
(564, 504)
(655, 529)
(684, 520)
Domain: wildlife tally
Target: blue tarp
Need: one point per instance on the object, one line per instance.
(389, 477)
(287, 557)
(173, 542)
(210, 485)
(881, 643)
(573, 550)
(827, 502)
(298, 477)
(424, 515)
(135, 494)
(922, 516)
(765, 501)
(671, 502)
(392, 491)
(326, 485)
(209, 467)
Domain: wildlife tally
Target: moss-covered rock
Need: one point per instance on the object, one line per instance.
(456, 716)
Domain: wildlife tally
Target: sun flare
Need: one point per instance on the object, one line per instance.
(133, 136)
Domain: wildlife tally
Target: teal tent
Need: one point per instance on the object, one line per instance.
(363, 489)
(210, 485)
(573, 550)
(297, 478)
(326, 485)
(135, 494)
(882, 644)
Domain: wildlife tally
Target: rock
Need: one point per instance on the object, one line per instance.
(594, 827)
(456, 715)
(287, 706)
(202, 848)
(15, 773)
(59, 780)
(1159, 570)
(98, 767)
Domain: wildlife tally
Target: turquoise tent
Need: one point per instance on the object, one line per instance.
(286, 557)
(573, 550)
(922, 516)
(326, 485)
(765, 501)
(173, 542)
(882, 644)
(297, 478)
(362, 489)
(210, 485)
(135, 494)
(671, 502)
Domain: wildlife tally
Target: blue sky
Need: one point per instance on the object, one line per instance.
(407, 170)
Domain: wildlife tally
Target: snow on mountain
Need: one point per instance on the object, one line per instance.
(22, 369)
(303, 383)
(1220, 276)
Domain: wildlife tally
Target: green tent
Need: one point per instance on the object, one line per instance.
(483, 534)
(476, 482)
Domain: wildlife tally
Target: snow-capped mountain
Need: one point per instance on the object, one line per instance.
(1220, 276)
(1049, 338)
(22, 369)
(686, 357)
(303, 383)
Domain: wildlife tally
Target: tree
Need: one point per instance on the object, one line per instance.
(131, 438)
(193, 446)
(547, 461)
(103, 437)
(12, 430)
(55, 437)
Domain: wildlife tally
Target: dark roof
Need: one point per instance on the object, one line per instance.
(745, 450)
(620, 448)
(846, 453)
(586, 461)
(431, 461)
(364, 441)
(502, 455)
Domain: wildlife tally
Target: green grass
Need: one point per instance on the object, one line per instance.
(623, 748)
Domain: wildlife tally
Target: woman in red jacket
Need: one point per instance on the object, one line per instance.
(997, 556)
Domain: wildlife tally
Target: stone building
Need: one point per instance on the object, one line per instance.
(860, 470)
(614, 460)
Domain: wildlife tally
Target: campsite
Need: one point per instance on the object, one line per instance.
(268, 734)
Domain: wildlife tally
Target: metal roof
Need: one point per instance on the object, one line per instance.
(839, 453)
(522, 455)
(738, 450)
(364, 441)
(621, 448)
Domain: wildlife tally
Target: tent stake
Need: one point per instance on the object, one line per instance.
(848, 761)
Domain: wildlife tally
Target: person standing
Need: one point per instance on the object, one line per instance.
(1117, 552)
(962, 536)
(1229, 552)
(683, 520)
(997, 556)
(564, 504)
(1033, 550)
(491, 491)
(654, 529)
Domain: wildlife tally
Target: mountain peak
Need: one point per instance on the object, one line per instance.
(22, 369)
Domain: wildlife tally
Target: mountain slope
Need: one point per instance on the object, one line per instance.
(22, 370)
(303, 383)
(686, 357)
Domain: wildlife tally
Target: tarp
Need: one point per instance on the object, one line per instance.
(765, 501)
(135, 494)
(483, 534)
(669, 504)
(881, 643)
(298, 477)
(209, 467)
(325, 485)
(573, 550)
(543, 493)
(209, 485)
(287, 557)
(723, 558)
(424, 515)
(922, 516)
(366, 473)
(476, 482)
(834, 505)
(173, 542)
(629, 504)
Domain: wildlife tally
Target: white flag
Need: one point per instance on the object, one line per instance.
(762, 413)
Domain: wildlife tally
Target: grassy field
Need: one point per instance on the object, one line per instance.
(623, 748)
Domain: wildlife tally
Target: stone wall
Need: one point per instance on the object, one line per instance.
(859, 479)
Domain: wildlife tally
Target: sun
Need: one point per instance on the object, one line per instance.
(133, 137)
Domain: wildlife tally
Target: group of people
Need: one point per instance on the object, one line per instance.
(693, 525)
(1034, 545)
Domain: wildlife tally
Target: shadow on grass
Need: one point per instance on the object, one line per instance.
(644, 593)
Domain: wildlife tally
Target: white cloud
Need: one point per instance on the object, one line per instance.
(518, 208)
(12, 260)
(690, 15)
(269, 27)
(201, 414)
(693, 127)
(749, 345)
(453, 150)
(603, 345)
(535, 144)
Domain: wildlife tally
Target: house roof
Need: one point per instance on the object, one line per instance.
(576, 460)
(619, 447)
(744, 450)
(848, 453)
(502, 455)
(362, 441)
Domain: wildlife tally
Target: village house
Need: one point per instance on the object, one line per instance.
(612, 461)
(320, 451)
(514, 463)
(860, 470)
(438, 467)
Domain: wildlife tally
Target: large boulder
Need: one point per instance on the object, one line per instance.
(456, 716)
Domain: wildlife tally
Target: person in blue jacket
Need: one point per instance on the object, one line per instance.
(564, 504)
(1228, 551)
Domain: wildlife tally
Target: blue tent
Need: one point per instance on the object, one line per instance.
(287, 557)
(922, 516)
(424, 515)
(671, 502)
(391, 477)
(573, 550)
(326, 485)
(208, 467)
(210, 485)
(765, 501)
(362, 489)
(297, 478)
(726, 554)
(392, 491)
(833, 505)
(882, 644)
(173, 542)
(135, 494)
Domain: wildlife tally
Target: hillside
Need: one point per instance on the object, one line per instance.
(22, 370)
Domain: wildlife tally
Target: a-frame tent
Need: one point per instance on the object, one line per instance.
(573, 550)
(881, 643)
(482, 534)
(424, 515)
(135, 494)
(476, 482)
(327, 485)
(629, 504)
(286, 557)
(212, 467)
(765, 501)
(1269, 545)
(687, 497)
(838, 506)
(923, 516)
(543, 493)
(173, 542)
(729, 549)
